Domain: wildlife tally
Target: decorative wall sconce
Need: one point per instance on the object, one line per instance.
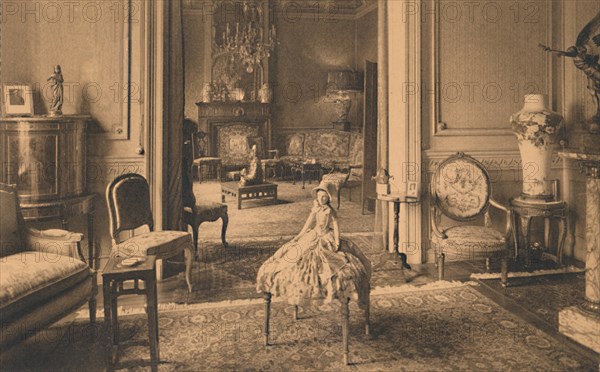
(341, 84)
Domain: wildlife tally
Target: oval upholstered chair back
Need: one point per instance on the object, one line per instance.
(128, 198)
(461, 188)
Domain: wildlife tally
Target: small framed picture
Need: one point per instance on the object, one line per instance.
(18, 99)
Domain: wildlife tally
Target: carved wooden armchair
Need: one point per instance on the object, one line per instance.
(461, 191)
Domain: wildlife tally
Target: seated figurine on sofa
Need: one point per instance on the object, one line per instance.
(252, 175)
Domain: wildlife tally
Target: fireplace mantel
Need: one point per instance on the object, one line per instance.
(220, 119)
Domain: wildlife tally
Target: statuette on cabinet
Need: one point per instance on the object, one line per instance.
(56, 82)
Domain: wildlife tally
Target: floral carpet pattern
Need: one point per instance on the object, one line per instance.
(447, 329)
(545, 295)
(230, 273)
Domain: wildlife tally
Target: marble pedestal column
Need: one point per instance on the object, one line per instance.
(583, 323)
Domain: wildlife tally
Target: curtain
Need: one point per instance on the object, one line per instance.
(174, 114)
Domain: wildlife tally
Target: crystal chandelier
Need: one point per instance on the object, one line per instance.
(249, 42)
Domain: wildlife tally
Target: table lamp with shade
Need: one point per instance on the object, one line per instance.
(340, 85)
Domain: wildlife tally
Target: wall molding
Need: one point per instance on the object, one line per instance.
(497, 159)
(438, 127)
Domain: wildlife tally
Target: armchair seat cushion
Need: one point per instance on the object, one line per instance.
(163, 244)
(470, 242)
(29, 278)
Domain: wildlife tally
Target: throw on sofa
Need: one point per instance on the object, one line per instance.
(43, 275)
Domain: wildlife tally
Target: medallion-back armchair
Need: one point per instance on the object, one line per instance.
(461, 191)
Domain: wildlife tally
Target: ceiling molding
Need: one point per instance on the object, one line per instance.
(321, 10)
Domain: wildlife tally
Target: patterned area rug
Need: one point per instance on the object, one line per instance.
(449, 329)
(230, 273)
(544, 295)
(284, 217)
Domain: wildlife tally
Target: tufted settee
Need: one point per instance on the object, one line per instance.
(330, 147)
(42, 274)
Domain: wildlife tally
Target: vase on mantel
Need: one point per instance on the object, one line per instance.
(537, 129)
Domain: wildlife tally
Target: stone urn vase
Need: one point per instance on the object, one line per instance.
(537, 129)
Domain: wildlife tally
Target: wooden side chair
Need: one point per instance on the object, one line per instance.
(349, 178)
(200, 159)
(128, 198)
(196, 212)
(461, 190)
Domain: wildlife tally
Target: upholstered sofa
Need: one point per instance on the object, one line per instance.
(43, 276)
(330, 147)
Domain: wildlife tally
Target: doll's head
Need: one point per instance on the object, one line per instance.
(321, 194)
(323, 197)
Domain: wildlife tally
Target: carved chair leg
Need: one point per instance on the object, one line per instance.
(368, 319)
(488, 265)
(441, 259)
(296, 312)
(504, 270)
(189, 259)
(195, 232)
(267, 298)
(93, 304)
(345, 329)
(225, 219)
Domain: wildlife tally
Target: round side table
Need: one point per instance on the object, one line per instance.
(524, 211)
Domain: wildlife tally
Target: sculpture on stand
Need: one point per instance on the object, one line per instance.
(56, 81)
(252, 175)
(585, 54)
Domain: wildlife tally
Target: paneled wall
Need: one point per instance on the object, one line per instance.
(308, 46)
(89, 40)
(479, 60)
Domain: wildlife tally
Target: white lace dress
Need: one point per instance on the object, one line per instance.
(311, 267)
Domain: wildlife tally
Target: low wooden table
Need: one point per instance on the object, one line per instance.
(264, 190)
(113, 276)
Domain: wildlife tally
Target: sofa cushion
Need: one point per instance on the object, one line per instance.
(28, 278)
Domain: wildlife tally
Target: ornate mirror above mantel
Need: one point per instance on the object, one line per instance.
(239, 40)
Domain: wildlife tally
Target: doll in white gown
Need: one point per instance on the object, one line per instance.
(316, 263)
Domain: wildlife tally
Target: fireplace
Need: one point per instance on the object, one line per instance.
(229, 125)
